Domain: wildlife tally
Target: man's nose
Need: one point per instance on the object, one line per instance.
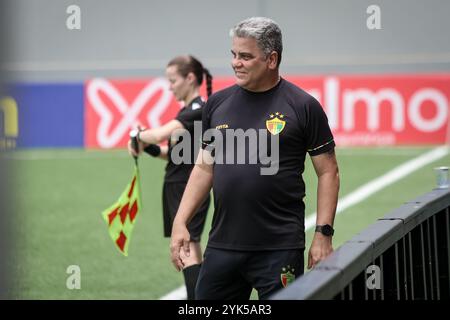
(236, 63)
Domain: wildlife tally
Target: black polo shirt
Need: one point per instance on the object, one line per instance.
(255, 211)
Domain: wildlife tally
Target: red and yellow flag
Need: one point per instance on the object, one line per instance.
(121, 216)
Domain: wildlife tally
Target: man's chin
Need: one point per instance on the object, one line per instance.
(240, 82)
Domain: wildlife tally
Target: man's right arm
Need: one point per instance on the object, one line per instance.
(197, 189)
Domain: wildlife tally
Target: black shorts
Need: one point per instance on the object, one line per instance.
(172, 194)
(231, 275)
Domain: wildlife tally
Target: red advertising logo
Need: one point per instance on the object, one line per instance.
(384, 110)
(362, 110)
(113, 108)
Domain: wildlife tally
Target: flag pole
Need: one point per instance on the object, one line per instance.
(135, 144)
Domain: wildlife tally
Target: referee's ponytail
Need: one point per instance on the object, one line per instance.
(208, 77)
(186, 64)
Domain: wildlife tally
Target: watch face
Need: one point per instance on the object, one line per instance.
(327, 230)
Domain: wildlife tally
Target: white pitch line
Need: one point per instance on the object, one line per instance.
(177, 294)
(357, 196)
(379, 183)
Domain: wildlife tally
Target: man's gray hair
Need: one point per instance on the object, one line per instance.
(265, 31)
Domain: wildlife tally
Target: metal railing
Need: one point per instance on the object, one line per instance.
(404, 255)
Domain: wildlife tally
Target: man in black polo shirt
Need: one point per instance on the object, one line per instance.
(257, 238)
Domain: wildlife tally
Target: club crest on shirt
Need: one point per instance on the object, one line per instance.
(275, 124)
(287, 276)
(196, 106)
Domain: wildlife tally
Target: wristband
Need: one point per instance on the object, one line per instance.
(153, 149)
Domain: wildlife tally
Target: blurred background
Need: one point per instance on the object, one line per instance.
(136, 38)
(382, 73)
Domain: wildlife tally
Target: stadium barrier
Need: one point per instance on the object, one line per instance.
(402, 256)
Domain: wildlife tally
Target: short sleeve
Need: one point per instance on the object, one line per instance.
(319, 138)
(187, 117)
(206, 124)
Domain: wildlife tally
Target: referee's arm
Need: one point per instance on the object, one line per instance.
(154, 136)
(327, 171)
(197, 189)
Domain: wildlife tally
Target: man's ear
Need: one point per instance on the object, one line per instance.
(273, 60)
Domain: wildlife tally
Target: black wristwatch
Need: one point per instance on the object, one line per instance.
(325, 229)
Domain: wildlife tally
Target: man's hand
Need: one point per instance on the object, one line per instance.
(196, 191)
(321, 247)
(179, 241)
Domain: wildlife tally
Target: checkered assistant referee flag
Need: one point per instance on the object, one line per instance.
(121, 216)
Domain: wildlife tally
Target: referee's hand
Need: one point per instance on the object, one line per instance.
(132, 151)
(179, 241)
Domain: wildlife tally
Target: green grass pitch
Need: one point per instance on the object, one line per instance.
(61, 193)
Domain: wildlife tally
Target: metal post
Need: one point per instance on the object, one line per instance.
(374, 290)
(430, 261)
(366, 294)
(422, 249)
(382, 277)
(350, 291)
(411, 269)
(397, 275)
(447, 228)
(405, 276)
(436, 259)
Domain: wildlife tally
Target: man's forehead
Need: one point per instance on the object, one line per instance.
(247, 40)
(244, 45)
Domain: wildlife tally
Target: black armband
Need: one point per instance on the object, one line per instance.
(153, 149)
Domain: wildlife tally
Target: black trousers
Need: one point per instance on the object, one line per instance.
(231, 275)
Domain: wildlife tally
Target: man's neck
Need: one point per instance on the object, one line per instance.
(270, 82)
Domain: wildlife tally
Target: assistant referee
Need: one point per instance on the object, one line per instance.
(185, 75)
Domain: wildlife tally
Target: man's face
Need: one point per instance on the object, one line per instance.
(249, 63)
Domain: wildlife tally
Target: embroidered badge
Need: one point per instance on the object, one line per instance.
(276, 123)
(287, 276)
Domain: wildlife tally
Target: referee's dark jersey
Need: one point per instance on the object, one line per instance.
(187, 116)
(264, 212)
